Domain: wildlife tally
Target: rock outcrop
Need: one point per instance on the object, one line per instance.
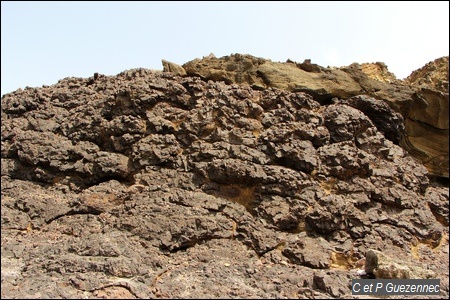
(378, 71)
(433, 75)
(422, 99)
(152, 185)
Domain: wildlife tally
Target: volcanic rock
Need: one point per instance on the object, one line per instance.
(153, 185)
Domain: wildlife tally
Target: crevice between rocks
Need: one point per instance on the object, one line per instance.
(85, 211)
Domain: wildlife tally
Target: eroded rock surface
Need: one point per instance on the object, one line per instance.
(421, 99)
(151, 185)
(433, 75)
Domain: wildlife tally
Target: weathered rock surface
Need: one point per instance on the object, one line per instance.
(151, 185)
(433, 75)
(378, 71)
(173, 68)
(421, 99)
(384, 267)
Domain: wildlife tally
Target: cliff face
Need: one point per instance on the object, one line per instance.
(422, 99)
(153, 185)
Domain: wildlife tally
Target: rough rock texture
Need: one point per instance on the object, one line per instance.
(433, 75)
(151, 185)
(378, 71)
(173, 68)
(384, 267)
(422, 99)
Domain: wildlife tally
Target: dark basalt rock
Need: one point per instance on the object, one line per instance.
(151, 185)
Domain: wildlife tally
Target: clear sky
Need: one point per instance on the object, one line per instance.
(42, 42)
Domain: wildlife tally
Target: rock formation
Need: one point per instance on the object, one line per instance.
(152, 185)
(422, 99)
(433, 75)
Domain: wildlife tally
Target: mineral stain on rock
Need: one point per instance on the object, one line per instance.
(225, 177)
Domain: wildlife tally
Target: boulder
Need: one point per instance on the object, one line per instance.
(173, 68)
(384, 267)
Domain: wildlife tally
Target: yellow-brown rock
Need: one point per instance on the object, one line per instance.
(427, 124)
(173, 68)
(433, 75)
(378, 71)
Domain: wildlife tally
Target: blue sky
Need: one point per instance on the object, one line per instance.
(42, 42)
